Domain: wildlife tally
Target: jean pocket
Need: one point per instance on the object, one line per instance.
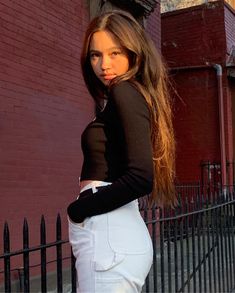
(80, 238)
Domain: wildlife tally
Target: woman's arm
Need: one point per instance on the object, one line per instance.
(137, 181)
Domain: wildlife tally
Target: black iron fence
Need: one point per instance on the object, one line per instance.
(194, 249)
(23, 272)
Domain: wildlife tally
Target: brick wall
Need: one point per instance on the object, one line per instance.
(196, 122)
(43, 108)
(193, 37)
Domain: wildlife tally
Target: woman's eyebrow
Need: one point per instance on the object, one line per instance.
(94, 51)
(109, 49)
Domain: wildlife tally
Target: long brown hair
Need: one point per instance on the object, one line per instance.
(148, 74)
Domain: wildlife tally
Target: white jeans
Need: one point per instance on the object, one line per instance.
(113, 251)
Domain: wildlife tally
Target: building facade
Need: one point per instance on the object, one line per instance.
(198, 45)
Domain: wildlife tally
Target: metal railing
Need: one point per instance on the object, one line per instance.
(194, 248)
(42, 249)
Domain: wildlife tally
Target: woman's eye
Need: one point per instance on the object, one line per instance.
(115, 53)
(94, 55)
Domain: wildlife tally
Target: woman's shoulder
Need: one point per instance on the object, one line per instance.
(124, 86)
(125, 90)
(127, 98)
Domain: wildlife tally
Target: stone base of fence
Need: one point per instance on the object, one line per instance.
(35, 283)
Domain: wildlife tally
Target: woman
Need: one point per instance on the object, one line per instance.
(128, 153)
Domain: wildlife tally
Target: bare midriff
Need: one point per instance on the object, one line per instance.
(84, 183)
(92, 183)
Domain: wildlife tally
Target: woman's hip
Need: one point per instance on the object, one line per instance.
(123, 230)
(112, 250)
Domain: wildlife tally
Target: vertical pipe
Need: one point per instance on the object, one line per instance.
(26, 256)
(222, 132)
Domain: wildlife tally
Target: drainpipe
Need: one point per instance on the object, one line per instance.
(218, 69)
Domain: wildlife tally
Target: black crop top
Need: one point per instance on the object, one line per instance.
(117, 148)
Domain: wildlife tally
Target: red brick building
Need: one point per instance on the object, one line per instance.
(44, 108)
(197, 43)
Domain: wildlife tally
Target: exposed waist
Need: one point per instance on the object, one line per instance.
(92, 184)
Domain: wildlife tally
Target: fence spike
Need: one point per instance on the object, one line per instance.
(25, 227)
(42, 219)
(43, 230)
(25, 234)
(6, 237)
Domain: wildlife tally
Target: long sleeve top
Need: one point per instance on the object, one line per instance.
(117, 148)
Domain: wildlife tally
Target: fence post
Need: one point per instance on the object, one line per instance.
(73, 273)
(155, 238)
(43, 256)
(162, 251)
(26, 255)
(7, 266)
(59, 255)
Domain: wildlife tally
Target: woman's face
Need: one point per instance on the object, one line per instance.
(108, 59)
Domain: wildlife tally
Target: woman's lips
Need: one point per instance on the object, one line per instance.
(108, 76)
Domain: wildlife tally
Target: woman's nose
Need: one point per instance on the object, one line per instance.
(105, 62)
